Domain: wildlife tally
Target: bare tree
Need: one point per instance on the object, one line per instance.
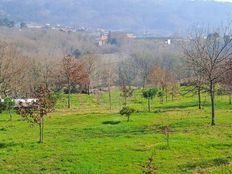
(90, 62)
(227, 82)
(142, 63)
(208, 55)
(162, 78)
(11, 68)
(126, 76)
(109, 77)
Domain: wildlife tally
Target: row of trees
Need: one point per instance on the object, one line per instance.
(207, 60)
(25, 77)
(20, 75)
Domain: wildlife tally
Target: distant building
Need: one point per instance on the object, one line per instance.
(104, 38)
(34, 26)
(131, 36)
(169, 42)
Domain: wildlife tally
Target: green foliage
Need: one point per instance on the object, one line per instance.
(160, 93)
(54, 98)
(150, 93)
(9, 103)
(127, 111)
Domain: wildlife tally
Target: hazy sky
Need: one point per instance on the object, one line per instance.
(224, 0)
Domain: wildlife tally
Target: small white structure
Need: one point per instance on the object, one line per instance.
(169, 42)
(24, 102)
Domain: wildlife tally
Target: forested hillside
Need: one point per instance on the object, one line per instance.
(160, 16)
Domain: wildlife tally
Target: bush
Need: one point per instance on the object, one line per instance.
(127, 111)
(161, 95)
(149, 94)
(9, 105)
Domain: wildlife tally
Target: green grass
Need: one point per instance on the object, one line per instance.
(89, 139)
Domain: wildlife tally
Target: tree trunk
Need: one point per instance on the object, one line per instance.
(125, 101)
(128, 118)
(110, 99)
(10, 115)
(212, 103)
(41, 129)
(230, 98)
(88, 89)
(149, 104)
(166, 94)
(199, 97)
(69, 94)
(167, 138)
(144, 82)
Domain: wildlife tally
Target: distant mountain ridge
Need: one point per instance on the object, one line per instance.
(160, 16)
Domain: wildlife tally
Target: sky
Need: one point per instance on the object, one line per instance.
(224, 0)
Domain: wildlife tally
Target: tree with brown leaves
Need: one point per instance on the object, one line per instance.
(37, 110)
(73, 72)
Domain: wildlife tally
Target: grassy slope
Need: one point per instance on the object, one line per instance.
(89, 139)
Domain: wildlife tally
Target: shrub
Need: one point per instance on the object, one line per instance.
(149, 94)
(127, 111)
(9, 105)
(161, 95)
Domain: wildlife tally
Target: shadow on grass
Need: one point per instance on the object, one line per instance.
(111, 122)
(5, 145)
(206, 164)
(2, 129)
(186, 105)
(221, 146)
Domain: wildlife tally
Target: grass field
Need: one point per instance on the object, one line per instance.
(89, 139)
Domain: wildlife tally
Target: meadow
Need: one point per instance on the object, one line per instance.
(90, 139)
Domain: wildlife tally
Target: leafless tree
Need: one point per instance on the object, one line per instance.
(142, 63)
(207, 54)
(11, 68)
(161, 78)
(90, 62)
(126, 76)
(227, 82)
(109, 77)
